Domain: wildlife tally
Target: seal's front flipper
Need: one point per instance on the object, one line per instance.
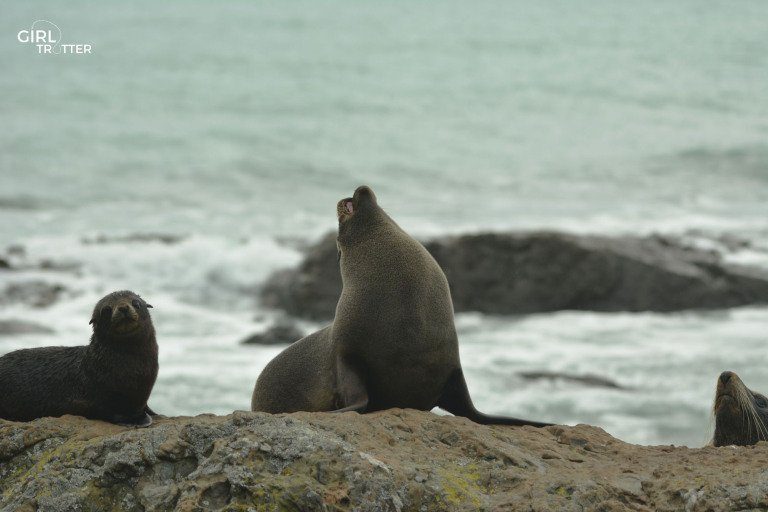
(351, 393)
(152, 413)
(140, 421)
(457, 401)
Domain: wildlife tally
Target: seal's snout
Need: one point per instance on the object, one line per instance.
(125, 317)
(364, 191)
(126, 310)
(348, 206)
(727, 396)
(726, 382)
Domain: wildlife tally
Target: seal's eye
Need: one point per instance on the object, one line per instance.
(761, 402)
(106, 312)
(136, 304)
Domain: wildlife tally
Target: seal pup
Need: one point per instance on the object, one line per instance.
(741, 415)
(109, 379)
(392, 342)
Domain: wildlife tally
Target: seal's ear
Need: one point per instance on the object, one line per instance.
(92, 322)
(148, 305)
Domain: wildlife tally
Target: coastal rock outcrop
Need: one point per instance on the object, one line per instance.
(517, 273)
(281, 332)
(15, 327)
(35, 293)
(397, 460)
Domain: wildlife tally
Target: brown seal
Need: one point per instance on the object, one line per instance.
(393, 341)
(109, 379)
(741, 415)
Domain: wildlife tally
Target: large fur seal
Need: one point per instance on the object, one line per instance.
(110, 379)
(741, 415)
(392, 342)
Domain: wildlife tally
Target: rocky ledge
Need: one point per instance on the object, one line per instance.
(390, 461)
(516, 273)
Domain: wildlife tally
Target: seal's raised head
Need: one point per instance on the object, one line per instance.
(121, 313)
(358, 214)
(741, 415)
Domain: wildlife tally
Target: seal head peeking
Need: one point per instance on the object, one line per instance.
(392, 342)
(109, 379)
(741, 415)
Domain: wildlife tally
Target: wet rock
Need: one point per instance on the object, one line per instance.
(16, 250)
(16, 259)
(311, 290)
(22, 202)
(282, 332)
(516, 273)
(319, 461)
(59, 266)
(14, 327)
(586, 380)
(162, 238)
(38, 294)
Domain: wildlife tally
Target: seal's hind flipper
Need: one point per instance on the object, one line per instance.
(457, 401)
(140, 421)
(152, 413)
(352, 394)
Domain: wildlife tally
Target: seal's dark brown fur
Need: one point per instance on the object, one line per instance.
(392, 342)
(110, 379)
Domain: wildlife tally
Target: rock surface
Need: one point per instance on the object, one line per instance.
(16, 260)
(163, 238)
(542, 271)
(282, 332)
(311, 290)
(398, 460)
(37, 294)
(570, 378)
(14, 327)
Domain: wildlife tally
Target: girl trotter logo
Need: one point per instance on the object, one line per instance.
(46, 37)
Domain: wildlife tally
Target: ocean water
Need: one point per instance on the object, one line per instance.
(237, 126)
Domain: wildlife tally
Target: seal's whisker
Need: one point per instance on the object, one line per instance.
(745, 406)
(752, 414)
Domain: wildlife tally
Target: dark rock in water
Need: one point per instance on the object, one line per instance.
(544, 271)
(16, 260)
(394, 460)
(135, 238)
(312, 289)
(587, 379)
(14, 327)
(19, 203)
(281, 333)
(527, 273)
(37, 294)
(16, 250)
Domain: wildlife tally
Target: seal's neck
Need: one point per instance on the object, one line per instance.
(142, 342)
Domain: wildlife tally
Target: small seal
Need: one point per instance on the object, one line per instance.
(741, 415)
(109, 379)
(393, 341)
